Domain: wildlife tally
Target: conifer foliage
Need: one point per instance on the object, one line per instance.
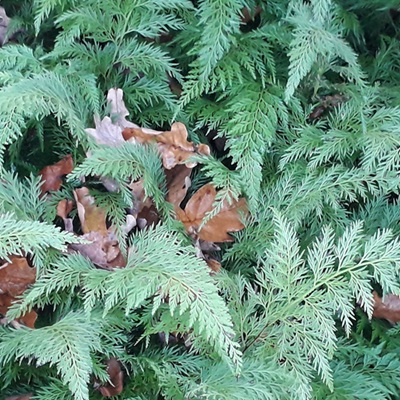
(199, 199)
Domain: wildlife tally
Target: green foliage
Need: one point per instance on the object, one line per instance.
(299, 103)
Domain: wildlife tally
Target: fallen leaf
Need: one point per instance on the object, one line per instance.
(116, 377)
(103, 250)
(173, 145)
(4, 22)
(15, 277)
(178, 183)
(175, 148)
(92, 218)
(118, 110)
(214, 265)
(140, 201)
(217, 228)
(64, 207)
(387, 308)
(26, 396)
(52, 174)
(247, 17)
(105, 132)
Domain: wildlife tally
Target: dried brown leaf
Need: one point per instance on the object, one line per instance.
(15, 277)
(103, 250)
(218, 227)
(4, 22)
(178, 183)
(227, 220)
(173, 145)
(26, 396)
(214, 265)
(92, 218)
(64, 207)
(52, 174)
(175, 148)
(116, 377)
(105, 132)
(387, 308)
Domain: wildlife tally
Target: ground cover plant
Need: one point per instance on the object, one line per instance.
(199, 199)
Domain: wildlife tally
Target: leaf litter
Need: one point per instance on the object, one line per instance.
(101, 244)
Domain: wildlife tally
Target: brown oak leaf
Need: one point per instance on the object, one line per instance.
(92, 218)
(64, 207)
(218, 227)
(387, 308)
(26, 396)
(15, 277)
(103, 249)
(4, 22)
(116, 378)
(173, 145)
(178, 183)
(52, 174)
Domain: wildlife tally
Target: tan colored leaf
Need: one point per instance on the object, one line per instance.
(52, 174)
(116, 378)
(200, 203)
(118, 110)
(175, 148)
(92, 218)
(173, 145)
(15, 277)
(26, 396)
(387, 308)
(137, 135)
(214, 265)
(217, 228)
(64, 207)
(4, 22)
(140, 201)
(103, 250)
(178, 183)
(105, 132)
(227, 220)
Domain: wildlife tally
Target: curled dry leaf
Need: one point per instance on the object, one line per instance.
(178, 183)
(173, 145)
(247, 16)
(15, 277)
(52, 175)
(64, 207)
(103, 250)
(118, 110)
(105, 132)
(26, 396)
(218, 227)
(4, 22)
(92, 218)
(214, 265)
(387, 308)
(116, 378)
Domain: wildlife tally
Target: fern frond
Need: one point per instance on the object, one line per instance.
(67, 344)
(129, 161)
(31, 237)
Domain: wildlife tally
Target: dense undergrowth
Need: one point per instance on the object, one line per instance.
(251, 261)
